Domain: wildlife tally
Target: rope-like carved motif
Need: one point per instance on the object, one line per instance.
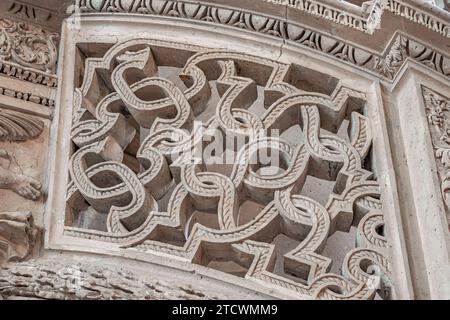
(136, 162)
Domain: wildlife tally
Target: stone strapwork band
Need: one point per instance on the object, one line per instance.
(172, 190)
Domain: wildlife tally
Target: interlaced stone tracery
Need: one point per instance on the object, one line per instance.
(140, 175)
(260, 149)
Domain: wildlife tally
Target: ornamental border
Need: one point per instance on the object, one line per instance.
(386, 65)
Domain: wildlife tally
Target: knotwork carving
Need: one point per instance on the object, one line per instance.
(142, 175)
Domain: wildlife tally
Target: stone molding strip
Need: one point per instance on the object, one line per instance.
(77, 281)
(407, 11)
(369, 17)
(386, 65)
(28, 74)
(366, 19)
(27, 97)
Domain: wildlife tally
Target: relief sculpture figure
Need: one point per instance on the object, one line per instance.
(16, 127)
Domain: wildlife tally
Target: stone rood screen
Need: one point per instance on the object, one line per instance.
(195, 151)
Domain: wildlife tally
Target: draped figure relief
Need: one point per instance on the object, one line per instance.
(17, 127)
(17, 230)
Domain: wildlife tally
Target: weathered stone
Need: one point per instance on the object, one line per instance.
(224, 149)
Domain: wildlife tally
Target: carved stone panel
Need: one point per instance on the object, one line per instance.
(438, 114)
(23, 145)
(22, 166)
(224, 149)
(28, 58)
(224, 161)
(17, 236)
(27, 52)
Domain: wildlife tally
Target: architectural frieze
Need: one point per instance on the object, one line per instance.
(40, 14)
(27, 52)
(407, 10)
(368, 17)
(17, 235)
(384, 64)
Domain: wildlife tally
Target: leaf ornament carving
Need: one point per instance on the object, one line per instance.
(27, 45)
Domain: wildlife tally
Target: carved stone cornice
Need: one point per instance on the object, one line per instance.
(368, 17)
(27, 52)
(26, 96)
(385, 65)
